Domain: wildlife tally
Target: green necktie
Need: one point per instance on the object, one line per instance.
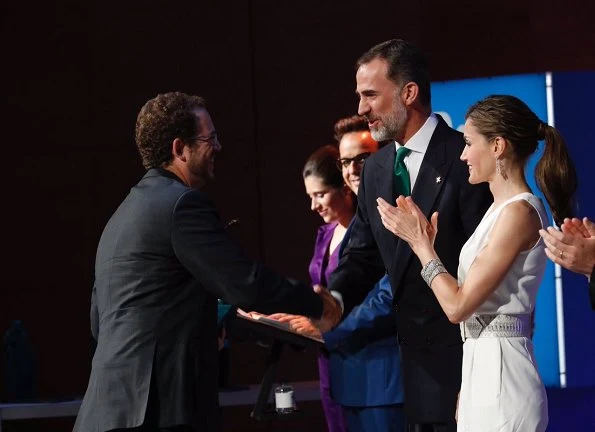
(402, 181)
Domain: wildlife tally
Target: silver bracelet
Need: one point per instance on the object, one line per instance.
(432, 269)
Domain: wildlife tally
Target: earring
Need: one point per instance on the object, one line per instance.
(500, 169)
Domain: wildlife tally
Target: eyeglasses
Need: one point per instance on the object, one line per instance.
(211, 139)
(357, 160)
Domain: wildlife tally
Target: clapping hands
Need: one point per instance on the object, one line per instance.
(573, 247)
(408, 222)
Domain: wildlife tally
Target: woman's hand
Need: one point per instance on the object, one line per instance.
(408, 222)
(573, 247)
(578, 228)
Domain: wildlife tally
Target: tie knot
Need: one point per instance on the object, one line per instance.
(401, 153)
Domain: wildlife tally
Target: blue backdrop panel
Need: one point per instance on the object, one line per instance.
(574, 99)
(452, 99)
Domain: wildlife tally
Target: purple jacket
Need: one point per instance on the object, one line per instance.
(321, 265)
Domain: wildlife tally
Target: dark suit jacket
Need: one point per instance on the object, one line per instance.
(431, 346)
(162, 262)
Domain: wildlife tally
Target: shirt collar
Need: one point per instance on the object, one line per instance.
(421, 139)
(167, 173)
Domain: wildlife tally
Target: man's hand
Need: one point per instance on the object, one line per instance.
(251, 314)
(407, 221)
(298, 323)
(331, 315)
(332, 312)
(574, 247)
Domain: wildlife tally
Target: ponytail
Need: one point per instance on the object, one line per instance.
(509, 117)
(555, 173)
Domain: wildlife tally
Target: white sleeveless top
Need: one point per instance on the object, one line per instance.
(517, 292)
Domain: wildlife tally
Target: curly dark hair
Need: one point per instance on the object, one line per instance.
(346, 125)
(163, 119)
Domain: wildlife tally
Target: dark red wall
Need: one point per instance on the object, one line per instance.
(276, 75)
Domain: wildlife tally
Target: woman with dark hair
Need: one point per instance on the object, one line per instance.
(501, 265)
(364, 367)
(335, 203)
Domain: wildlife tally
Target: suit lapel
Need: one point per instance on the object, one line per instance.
(346, 238)
(427, 187)
(384, 172)
(432, 171)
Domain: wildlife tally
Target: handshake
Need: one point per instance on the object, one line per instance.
(331, 315)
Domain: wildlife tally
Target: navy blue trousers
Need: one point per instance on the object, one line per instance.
(389, 418)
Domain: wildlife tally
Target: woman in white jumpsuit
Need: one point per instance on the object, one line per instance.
(500, 266)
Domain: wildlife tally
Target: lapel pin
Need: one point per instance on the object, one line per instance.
(438, 179)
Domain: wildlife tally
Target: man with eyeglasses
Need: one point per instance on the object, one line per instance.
(355, 145)
(162, 263)
(364, 360)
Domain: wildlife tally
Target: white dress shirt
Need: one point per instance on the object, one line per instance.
(418, 144)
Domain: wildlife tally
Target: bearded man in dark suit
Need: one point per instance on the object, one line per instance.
(162, 262)
(422, 159)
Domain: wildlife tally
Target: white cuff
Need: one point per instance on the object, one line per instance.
(337, 295)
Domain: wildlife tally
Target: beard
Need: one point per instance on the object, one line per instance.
(202, 166)
(392, 124)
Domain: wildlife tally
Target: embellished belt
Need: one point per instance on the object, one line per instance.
(479, 326)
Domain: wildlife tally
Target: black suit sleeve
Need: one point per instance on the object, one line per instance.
(360, 266)
(221, 266)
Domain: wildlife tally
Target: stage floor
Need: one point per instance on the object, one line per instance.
(571, 409)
